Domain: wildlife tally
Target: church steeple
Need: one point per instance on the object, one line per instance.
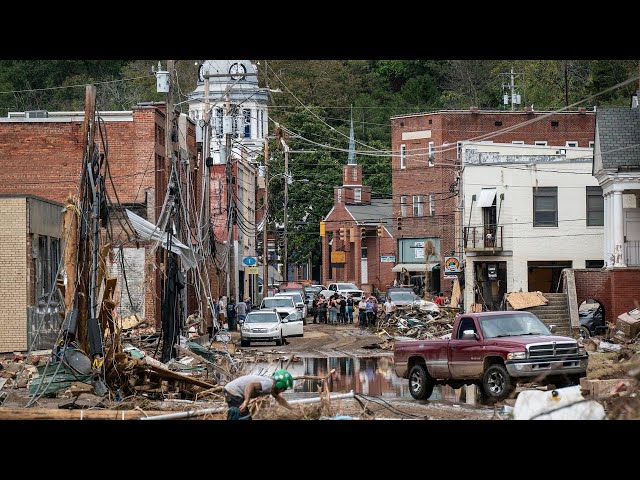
(352, 143)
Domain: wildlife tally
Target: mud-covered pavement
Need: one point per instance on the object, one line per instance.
(361, 366)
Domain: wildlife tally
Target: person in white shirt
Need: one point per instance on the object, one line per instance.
(389, 308)
(362, 313)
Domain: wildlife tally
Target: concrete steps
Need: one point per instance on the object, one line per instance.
(556, 312)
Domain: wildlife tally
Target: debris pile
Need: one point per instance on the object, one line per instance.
(420, 325)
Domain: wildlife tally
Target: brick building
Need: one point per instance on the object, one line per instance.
(425, 169)
(41, 154)
(361, 256)
(31, 247)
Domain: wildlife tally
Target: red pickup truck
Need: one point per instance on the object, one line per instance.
(493, 350)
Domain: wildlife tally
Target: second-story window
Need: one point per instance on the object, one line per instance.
(403, 206)
(403, 156)
(417, 205)
(339, 195)
(545, 206)
(357, 195)
(431, 155)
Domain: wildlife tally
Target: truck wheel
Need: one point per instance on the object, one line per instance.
(420, 383)
(244, 343)
(496, 383)
(279, 341)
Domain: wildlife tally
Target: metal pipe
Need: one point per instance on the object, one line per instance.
(206, 411)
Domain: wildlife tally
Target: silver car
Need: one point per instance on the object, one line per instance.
(267, 326)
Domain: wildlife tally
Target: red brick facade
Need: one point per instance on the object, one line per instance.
(437, 176)
(44, 158)
(618, 289)
(379, 275)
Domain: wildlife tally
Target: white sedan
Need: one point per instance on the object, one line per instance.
(267, 326)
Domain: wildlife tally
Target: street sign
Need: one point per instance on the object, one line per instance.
(249, 261)
(252, 270)
(387, 259)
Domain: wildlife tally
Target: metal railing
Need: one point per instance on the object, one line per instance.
(487, 237)
(632, 253)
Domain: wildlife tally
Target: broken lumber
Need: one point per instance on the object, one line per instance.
(82, 414)
(195, 356)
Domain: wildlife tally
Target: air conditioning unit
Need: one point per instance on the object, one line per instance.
(36, 114)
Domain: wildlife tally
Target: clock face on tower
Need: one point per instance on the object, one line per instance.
(237, 70)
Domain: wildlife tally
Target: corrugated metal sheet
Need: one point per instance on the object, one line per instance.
(148, 231)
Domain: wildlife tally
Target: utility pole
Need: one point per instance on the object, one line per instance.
(265, 223)
(231, 274)
(511, 97)
(286, 209)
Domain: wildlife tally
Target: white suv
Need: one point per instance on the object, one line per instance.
(346, 289)
(267, 326)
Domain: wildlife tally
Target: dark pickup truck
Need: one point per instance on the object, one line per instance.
(493, 350)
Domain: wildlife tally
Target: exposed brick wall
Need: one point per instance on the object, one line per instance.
(134, 259)
(418, 178)
(618, 290)
(14, 278)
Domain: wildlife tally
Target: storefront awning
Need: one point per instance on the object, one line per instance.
(414, 267)
(487, 195)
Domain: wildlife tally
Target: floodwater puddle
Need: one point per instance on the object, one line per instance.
(373, 376)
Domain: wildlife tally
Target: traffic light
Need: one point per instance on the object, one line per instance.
(399, 219)
(343, 234)
(363, 233)
(379, 229)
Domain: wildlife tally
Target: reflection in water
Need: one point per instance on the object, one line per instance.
(370, 376)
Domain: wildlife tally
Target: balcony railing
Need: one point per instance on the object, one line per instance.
(485, 238)
(632, 253)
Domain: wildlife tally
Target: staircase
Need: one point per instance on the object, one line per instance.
(556, 312)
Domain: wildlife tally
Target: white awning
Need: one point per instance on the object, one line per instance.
(487, 195)
(414, 267)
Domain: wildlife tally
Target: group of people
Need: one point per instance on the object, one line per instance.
(341, 309)
(232, 312)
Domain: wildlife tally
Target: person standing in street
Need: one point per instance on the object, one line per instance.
(221, 311)
(389, 308)
(362, 313)
(231, 314)
(241, 311)
(349, 318)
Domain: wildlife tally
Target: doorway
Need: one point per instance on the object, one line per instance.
(490, 284)
(545, 276)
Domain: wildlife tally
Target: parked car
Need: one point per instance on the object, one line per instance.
(591, 315)
(299, 301)
(283, 305)
(347, 289)
(267, 326)
(405, 297)
(493, 350)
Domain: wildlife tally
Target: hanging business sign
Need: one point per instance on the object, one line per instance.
(451, 267)
(338, 257)
(387, 259)
(251, 270)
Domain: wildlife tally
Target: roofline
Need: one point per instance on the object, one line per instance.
(29, 196)
(504, 112)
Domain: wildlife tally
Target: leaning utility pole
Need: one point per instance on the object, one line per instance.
(170, 318)
(265, 223)
(286, 208)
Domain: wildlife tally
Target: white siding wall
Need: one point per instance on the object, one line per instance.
(571, 240)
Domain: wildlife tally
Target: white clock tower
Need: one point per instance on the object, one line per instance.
(248, 106)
